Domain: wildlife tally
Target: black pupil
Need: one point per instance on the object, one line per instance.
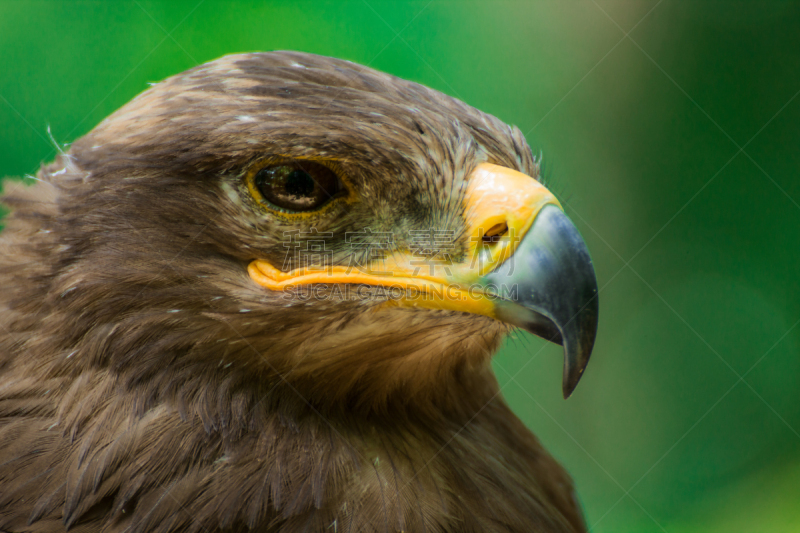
(297, 186)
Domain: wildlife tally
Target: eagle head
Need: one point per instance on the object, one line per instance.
(264, 276)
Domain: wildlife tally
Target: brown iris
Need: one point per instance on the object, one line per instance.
(298, 186)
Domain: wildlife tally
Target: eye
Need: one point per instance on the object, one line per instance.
(298, 186)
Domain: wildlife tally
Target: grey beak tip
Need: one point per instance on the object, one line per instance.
(579, 344)
(571, 378)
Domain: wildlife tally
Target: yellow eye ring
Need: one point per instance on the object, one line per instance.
(298, 187)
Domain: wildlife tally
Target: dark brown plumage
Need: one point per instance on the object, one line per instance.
(147, 384)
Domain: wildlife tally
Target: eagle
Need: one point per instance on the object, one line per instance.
(263, 296)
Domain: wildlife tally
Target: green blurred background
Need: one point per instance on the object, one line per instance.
(670, 131)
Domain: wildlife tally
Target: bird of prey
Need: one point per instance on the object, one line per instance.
(264, 295)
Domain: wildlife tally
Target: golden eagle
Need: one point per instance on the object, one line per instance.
(264, 295)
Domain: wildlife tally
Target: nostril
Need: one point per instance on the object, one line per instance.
(495, 233)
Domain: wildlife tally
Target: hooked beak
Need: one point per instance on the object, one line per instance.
(556, 290)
